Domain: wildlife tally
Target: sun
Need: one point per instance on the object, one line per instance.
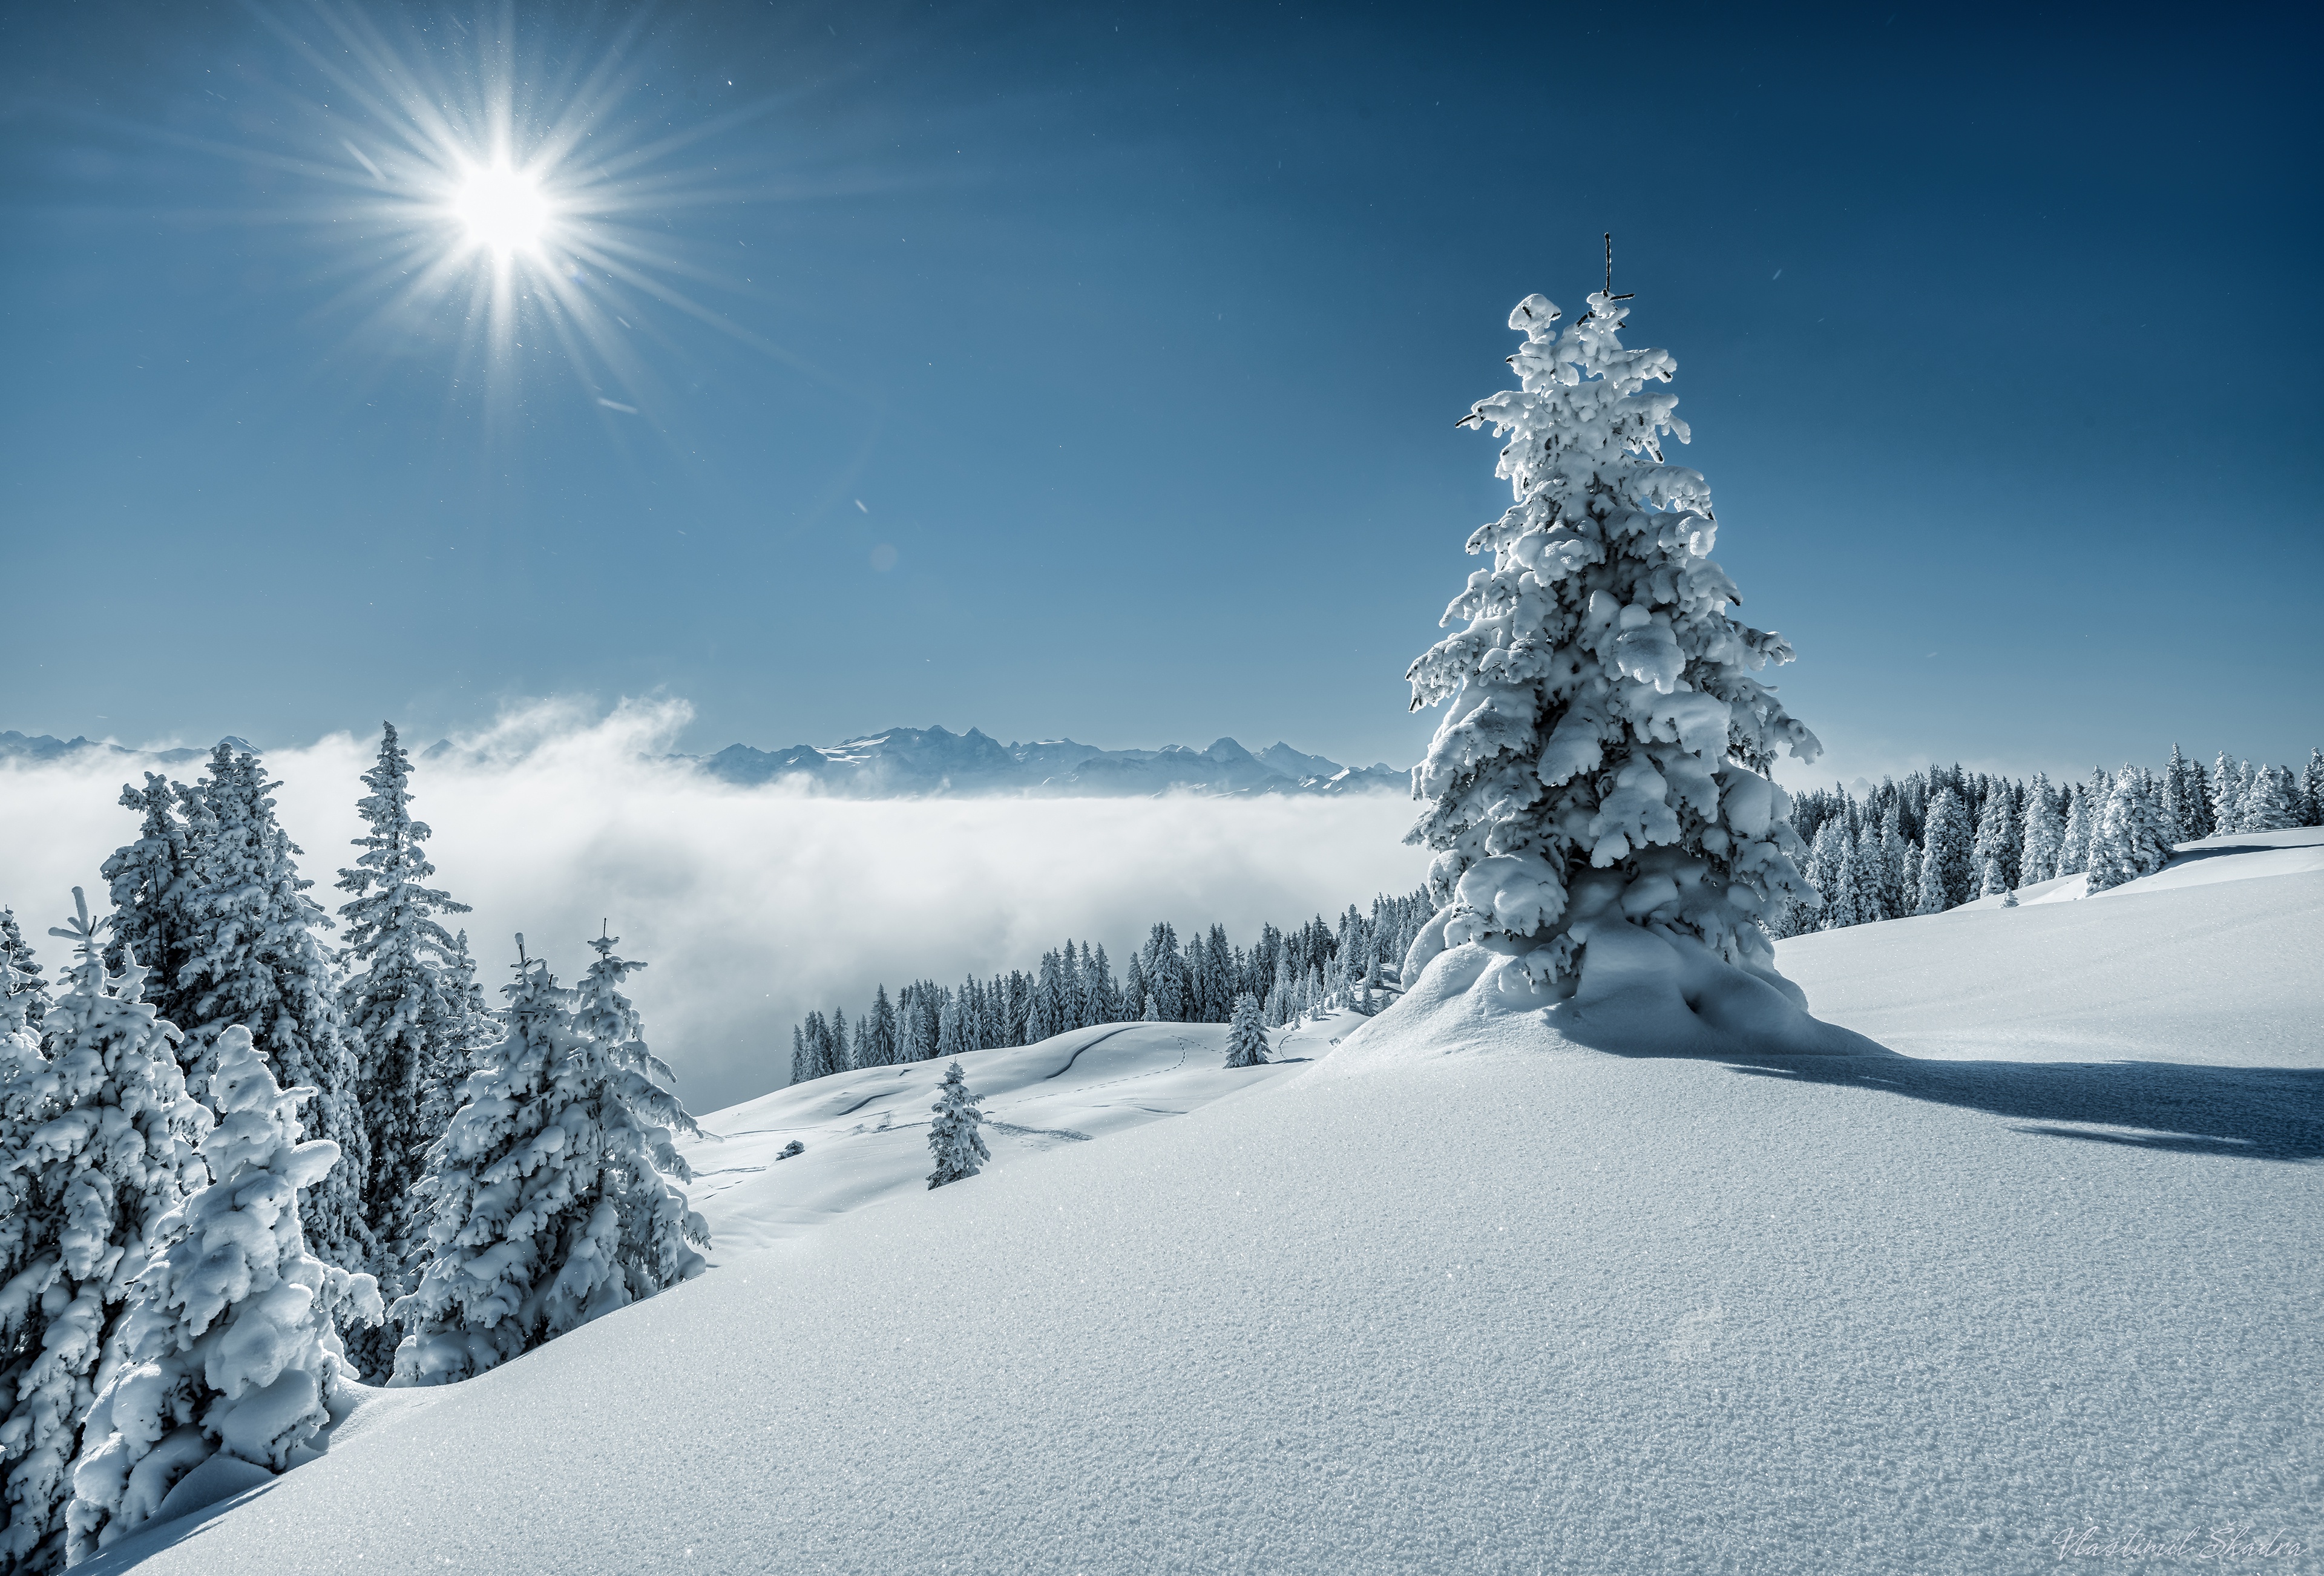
(502, 208)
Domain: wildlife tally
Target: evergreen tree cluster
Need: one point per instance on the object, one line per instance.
(223, 1138)
(1289, 974)
(1944, 836)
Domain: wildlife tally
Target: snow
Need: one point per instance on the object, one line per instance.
(866, 1132)
(1472, 1302)
(2212, 961)
(2232, 856)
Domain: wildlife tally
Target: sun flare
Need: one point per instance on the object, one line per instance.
(502, 208)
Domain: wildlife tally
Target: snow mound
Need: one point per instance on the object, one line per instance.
(1643, 992)
(1531, 1308)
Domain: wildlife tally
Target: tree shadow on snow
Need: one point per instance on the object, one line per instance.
(2261, 1113)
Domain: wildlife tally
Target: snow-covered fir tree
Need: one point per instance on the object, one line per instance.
(1604, 756)
(254, 959)
(1845, 875)
(2226, 787)
(1895, 873)
(529, 1236)
(1247, 1039)
(22, 983)
(2130, 839)
(100, 1140)
(2189, 806)
(2269, 804)
(2038, 844)
(2311, 789)
(1866, 879)
(401, 1022)
(656, 1223)
(2074, 848)
(1947, 876)
(152, 885)
(227, 1346)
(452, 1055)
(952, 1136)
(1993, 853)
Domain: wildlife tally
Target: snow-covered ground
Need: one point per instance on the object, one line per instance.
(1478, 1302)
(865, 1133)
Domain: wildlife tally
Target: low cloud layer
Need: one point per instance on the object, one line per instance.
(751, 905)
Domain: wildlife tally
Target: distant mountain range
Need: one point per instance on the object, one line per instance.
(920, 762)
(39, 748)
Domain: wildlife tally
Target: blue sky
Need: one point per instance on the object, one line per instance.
(1092, 371)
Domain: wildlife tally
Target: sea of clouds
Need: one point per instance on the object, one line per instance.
(749, 905)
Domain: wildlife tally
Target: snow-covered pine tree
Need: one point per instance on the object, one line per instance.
(2130, 839)
(401, 1022)
(1993, 854)
(1108, 992)
(2267, 804)
(643, 1167)
(1246, 1040)
(1599, 780)
(952, 1036)
(1047, 1015)
(454, 1054)
(22, 983)
(528, 1237)
(2074, 849)
(2183, 797)
(101, 1138)
(952, 1136)
(2311, 789)
(881, 1036)
(23, 1109)
(229, 1346)
(153, 883)
(2226, 795)
(1993, 882)
(1165, 974)
(1947, 876)
(1827, 856)
(1866, 879)
(254, 960)
(2037, 849)
(1840, 907)
(1279, 995)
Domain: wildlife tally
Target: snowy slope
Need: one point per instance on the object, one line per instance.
(866, 1133)
(2213, 960)
(1485, 1302)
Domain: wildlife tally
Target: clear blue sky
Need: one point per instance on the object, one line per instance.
(1139, 334)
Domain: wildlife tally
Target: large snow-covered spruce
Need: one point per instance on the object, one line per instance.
(254, 959)
(403, 1022)
(547, 1200)
(228, 1348)
(1603, 818)
(99, 1140)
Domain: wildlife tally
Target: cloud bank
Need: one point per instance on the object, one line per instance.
(751, 905)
